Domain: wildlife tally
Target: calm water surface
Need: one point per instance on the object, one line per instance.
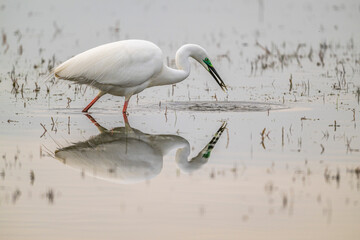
(273, 158)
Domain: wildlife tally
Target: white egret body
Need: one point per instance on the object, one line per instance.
(127, 67)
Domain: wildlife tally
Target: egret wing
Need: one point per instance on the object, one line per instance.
(124, 64)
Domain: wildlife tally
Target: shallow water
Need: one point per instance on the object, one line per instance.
(266, 160)
(222, 106)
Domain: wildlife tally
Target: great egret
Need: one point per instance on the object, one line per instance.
(125, 68)
(127, 155)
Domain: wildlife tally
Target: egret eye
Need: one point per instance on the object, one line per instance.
(207, 61)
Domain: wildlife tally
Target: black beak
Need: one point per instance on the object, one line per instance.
(217, 78)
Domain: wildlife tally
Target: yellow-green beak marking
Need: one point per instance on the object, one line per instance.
(215, 75)
(207, 61)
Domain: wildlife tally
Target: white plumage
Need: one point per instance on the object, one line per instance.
(127, 67)
(127, 155)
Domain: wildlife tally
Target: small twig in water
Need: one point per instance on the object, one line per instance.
(322, 149)
(45, 130)
(68, 102)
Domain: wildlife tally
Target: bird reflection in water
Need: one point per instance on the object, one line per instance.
(127, 155)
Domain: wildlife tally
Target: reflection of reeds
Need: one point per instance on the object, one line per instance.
(45, 130)
(355, 171)
(37, 87)
(340, 75)
(282, 137)
(322, 148)
(264, 135)
(310, 55)
(20, 50)
(349, 148)
(2, 174)
(323, 48)
(16, 195)
(53, 124)
(32, 177)
(4, 42)
(68, 125)
(50, 196)
(328, 176)
(4, 38)
(68, 102)
(14, 81)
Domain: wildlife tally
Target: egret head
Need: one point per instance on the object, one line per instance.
(202, 57)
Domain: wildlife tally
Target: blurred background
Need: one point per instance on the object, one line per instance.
(285, 167)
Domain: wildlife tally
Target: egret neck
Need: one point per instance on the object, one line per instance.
(170, 75)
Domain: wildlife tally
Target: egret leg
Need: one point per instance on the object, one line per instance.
(101, 129)
(92, 119)
(92, 102)
(126, 121)
(125, 106)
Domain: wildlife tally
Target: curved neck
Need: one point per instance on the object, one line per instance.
(186, 165)
(170, 75)
(182, 57)
(202, 158)
(166, 143)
